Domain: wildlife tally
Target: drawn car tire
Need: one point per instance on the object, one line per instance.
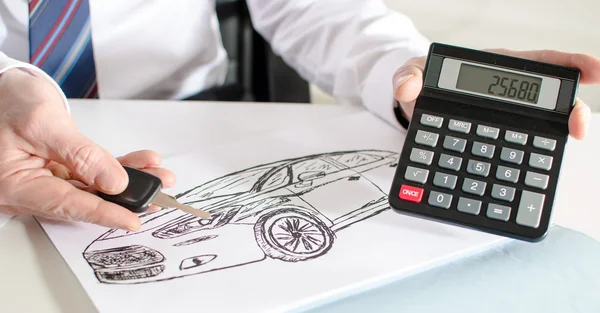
(301, 227)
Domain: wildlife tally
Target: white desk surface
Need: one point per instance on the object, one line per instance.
(36, 279)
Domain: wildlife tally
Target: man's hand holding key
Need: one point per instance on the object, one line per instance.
(46, 165)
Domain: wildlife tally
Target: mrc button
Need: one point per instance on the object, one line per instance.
(410, 193)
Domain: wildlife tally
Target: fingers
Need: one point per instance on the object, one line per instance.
(59, 170)
(166, 177)
(59, 199)
(587, 64)
(148, 161)
(87, 161)
(579, 120)
(141, 159)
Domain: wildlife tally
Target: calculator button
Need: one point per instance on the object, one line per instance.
(511, 155)
(410, 193)
(445, 180)
(530, 209)
(515, 137)
(449, 162)
(432, 120)
(438, 199)
(467, 205)
(426, 138)
(487, 131)
(540, 161)
(421, 156)
(475, 187)
(455, 144)
(507, 174)
(498, 212)
(459, 126)
(544, 143)
(416, 175)
(483, 150)
(536, 180)
(479, 168)
(504, 193)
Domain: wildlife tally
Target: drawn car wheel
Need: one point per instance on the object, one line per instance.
(291, 234)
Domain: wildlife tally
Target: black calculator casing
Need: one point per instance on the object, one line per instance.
(494, 113)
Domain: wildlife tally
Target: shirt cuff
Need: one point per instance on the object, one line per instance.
(7, 63)
(378, 92)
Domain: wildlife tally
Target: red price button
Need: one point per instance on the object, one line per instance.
(410, 193)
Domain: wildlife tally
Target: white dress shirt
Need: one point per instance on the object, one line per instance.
(165, 49)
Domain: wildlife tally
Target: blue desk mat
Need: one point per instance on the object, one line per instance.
(559, 274)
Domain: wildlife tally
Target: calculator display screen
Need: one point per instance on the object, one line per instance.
(499, 83)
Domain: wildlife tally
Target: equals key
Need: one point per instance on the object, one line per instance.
(144, 190)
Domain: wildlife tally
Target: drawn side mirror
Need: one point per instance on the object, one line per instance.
(306, 178)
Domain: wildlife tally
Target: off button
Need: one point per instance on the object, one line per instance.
(432, 120)
(410, 193)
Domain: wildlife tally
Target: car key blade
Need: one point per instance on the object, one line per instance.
(166, 201)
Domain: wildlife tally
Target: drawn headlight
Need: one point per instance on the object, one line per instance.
(112, 276)
(130, 256)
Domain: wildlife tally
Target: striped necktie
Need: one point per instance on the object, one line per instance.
(60, 44)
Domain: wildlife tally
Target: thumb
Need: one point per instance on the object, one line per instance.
(407, 82)
(87, 161)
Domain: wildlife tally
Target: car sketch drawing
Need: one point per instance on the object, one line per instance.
(282, 210)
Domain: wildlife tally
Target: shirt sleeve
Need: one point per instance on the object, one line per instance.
(348, 48)
(7, 63)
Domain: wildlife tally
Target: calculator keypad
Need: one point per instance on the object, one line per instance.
(427, 138)
(540, 161)
(455, 144)
(508, 174)
(511, 155)
(530, 209)
(536, 180)
(450, 162)
(478, 168)
(417, 175)
(444, 180)
(515, 137)
(467, 205)
(421, 156)
(483, 150)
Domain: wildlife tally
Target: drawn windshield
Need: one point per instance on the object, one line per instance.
(229, 185)
(312, 168)
(356, 159)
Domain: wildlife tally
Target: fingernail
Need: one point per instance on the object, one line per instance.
(401, 77)
(108, 180)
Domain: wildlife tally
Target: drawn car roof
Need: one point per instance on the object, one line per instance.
(380, 153)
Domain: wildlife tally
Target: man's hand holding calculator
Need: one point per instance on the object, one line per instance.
(46, 165)
(488, 131)
(408, 81)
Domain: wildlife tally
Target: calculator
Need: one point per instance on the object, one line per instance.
(486, 141)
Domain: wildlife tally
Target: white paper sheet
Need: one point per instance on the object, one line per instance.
(235, 264)
(4, 219)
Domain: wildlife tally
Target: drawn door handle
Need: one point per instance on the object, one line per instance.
(353, 178)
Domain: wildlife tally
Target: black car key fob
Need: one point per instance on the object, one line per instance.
(140, 192)
(143, 190)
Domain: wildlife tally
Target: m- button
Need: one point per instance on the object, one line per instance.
(487, 131)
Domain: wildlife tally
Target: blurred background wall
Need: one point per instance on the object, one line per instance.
(572, 26)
